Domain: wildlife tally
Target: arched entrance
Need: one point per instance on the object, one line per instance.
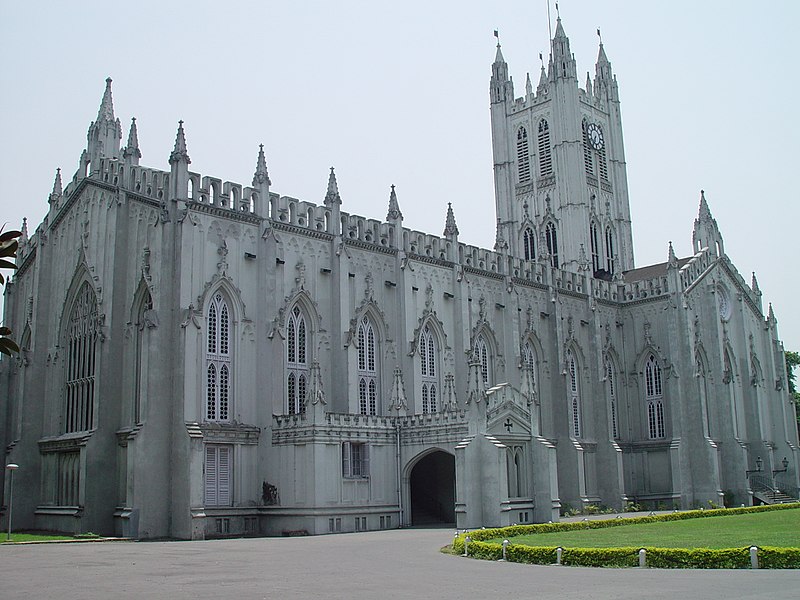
(433, 489)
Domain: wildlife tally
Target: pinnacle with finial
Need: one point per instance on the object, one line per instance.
(332, 196)
(754, 284)
(261, 176)
(24, 236)
(705, 212)
(394, 208)
(57, 189)
(450, 227)
(672, 260)
(180, 153)
(132, 149)
(106, 112)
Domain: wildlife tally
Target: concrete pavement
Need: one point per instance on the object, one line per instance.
(381, 564)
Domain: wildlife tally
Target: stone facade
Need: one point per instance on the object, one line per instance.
(204, 358)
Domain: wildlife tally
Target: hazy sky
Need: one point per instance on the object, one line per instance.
(397, 93)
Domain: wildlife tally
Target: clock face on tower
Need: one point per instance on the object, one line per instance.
(595, 135)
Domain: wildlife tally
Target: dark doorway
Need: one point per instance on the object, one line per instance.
(433, 489)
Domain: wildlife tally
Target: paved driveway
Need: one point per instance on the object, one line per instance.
(382, 564)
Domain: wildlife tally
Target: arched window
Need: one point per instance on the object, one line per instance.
(429, 370)
(218, 360)
(297, 361)
(483, 354)
(141, 363)
(573, 389)
(529, 361)
(523, 162)
(611, 387)
(545, 154)
(515, 471)
(588, 162)
(610, 256)
(81, 346)
(594, 242)
(655, 399)
(552, 243)
(529, 244)
(367, 368)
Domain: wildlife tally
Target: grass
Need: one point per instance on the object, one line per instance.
(38, 537)
(774, 528)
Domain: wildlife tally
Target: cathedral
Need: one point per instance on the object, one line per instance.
(203, 358)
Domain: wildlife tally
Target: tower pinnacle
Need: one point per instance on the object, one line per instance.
(394, 213)
(179, 153)
(106, 112)
(450, 227)
(131, 151)
(332, 196)
(261, 176)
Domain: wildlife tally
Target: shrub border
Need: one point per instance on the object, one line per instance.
(769, 557)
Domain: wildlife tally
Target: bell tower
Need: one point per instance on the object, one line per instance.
(561, 187)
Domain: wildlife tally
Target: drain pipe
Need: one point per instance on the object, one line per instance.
(399, 473)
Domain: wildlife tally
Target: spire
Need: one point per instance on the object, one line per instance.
(106, 112)
(261, 176)
(500, 87)
(771, 320)
(528, 85)
(542, 80)
(450, 227)
(57, 192)
(24, 235)
(704, 214)
(394, 213)
(332, 197)
(132, 152)
(500, 244)
(179, 153)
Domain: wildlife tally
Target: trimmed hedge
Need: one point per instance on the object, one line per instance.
(769, 557)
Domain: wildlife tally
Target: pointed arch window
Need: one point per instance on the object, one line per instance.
(523, 160)
(429, 371)
(218, 360)
(529, 244)
(297, 361)
(595, 245)
(611, 387)
(574, 395)
(654, 397)
(610, 251)
(552, 243)
(81, 344)
(529, 362)
(141, 362)
(367, 368)
(545, 152)
(484, 355)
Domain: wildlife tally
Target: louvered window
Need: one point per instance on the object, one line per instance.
(574, 395)
(552, 244)
(612, 398)
(218, 360)
(523, 160)
(218, 475)
(655, 399)
(545, 152)
(355, 460)
(81, 352)
(429, 370)
(593, 239)
(529, 244)
(588, 159)
(610, 254)
(297, 367)
(367, 368)
(602, 163)
(483, 354)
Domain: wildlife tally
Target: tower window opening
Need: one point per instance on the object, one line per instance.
(523, 162)
(545, 153)
(528, 244)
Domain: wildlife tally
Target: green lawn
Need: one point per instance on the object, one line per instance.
(35, 537)
(772, 528)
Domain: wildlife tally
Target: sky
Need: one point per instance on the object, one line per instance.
(397, 93)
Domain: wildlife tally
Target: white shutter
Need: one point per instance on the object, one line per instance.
(346, 459)
(224, 476)
(211, 476)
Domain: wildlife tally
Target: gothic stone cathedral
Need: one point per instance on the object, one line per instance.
(204, 358)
